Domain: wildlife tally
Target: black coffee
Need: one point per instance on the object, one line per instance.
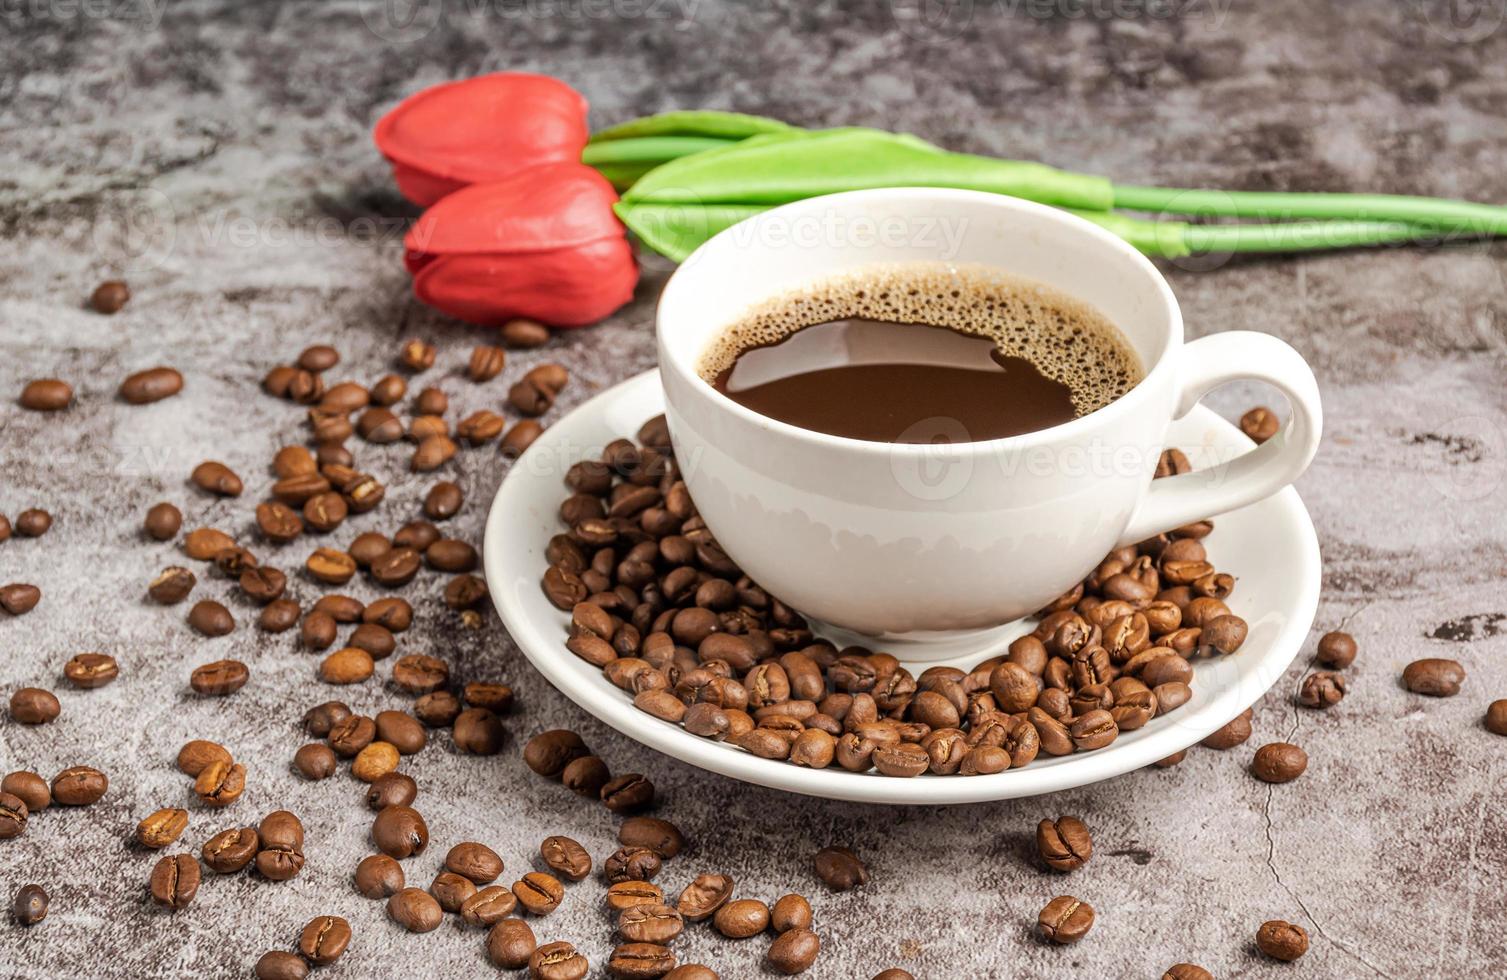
(923, 353)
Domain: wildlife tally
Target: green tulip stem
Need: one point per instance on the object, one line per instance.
(1438, 213)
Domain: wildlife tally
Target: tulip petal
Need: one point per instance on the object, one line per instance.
(564, 288)
(481, 129)
(553, 206)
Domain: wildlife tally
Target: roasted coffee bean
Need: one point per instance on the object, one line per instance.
(79, 786)
(34, 706)
(375, 640)
(33, 522)
(840, 869)
(391, 789)
(525, 334)
(1093, 730)
(433, 452)
(437, 709)
(486, 363)
(415, 910)
(234, 560)
(419, 673)
(1064, 844)
(794, 951)
(175, 881)
(219, 784)
(1279, 762)
(277, 964)
(565, 857)
(400, 832)
(586, 776)
(390, 613)
(346, 666)
(650, 923)
(510, 944)
(790, 912)
(628, 793)
(557, 961)
(314, 761)
(1434, 676)
(13, 816)
(217, 478)
(379, 876)
(494, 697)
(659, 836)
(331, 566)
(1283, 941)
(1321, 689)
(476, 862)
(465, 592)
(91, 670)
(451, 890)
(448, 555)
(163, 521)
(1065, 919)
(278, 522)
(340, 608)
(375, 761)
(548, 753)
(263, 584)
(231, 850)
(210, 618)
(894, 974)
(1187, 971)
(626, 894)
(151, 385)
(1233, 733)
(631, 864)
(197, 755)
(318, 630)
(488, 906)
(395, 567)
(30, 905)
(321, 718)
(297, 490)
(520, 437)
(479, 732)
(110, 296)
(388, 390)
(162, 828)
(29, 788)
(742, 918)
(324, 939)
(19, 598)
(538, 892)
(46, 395)
(1260, 424)
(416, 355)
(351, 734)
(325, 511)
(1337, 650)
(640, 961)
(528, 398)
(219, 678)
(402, 730)
(1496, 717)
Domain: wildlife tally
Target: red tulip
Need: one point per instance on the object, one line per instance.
(542, 243)
(480, 129)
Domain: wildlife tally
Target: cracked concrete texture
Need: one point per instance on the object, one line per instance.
(217, 155)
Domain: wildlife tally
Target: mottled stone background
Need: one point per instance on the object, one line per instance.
(217, 155)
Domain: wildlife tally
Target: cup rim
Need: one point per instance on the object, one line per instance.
(679, 361)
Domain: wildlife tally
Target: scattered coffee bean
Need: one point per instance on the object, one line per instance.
(451, 890)
(557, 961)
(1065, 919)
(650, 923)
(218, 784)
(433, 451)
(391, 789)
(33, 522)
(790, 912)
(151, 385)
(415, 910)
(175, 881)
(277, 964)
(314, 761)
(279, 616)
(91, 670)
(351, 734)
(628, 793)
(29, 788)
(794, 951)
(494, 697)
(395, 567)
(528, 398)
(375, 761)
(34, 706)
(1283, 941)
(163, 521)
(1279, 762)
(331, 566)
(538, 892)
(448, 555)
(565, 857)
(402, 730)
(659, 836)
(400, 832)
(511, 944)
(548, 753)
(1260, 424)
(172, 585)
(109, 297)
(318, 630)
(379, 876)
(197, 755)
(79, 786)
(631, 864)
(30, 905)
(702, 898)
(1337, 650)
(210, 618)
(217, 478)
(476, 862)
(202, 544)
(46, 395)
(13, 816)
(1434, 676)
(346, 666)
(525, 334)
(893, 974)
(1496, 717)
(1233, 733)
(742, 918)
(481, 427)
(341, 608)
(325, 511)
(162, 828)
(280, 856)
(321, 718)
(1187, 971)
(19, 598)
(640, 961)
(419, 673)
(488, 906)
(839, 869)
(437, 709)
(486, 363)
(521, 436)
(1064, 844)
(1321, 689)
(391, 613)
(231, 850)
(443, 501)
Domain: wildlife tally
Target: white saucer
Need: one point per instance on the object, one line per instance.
(1269, 547)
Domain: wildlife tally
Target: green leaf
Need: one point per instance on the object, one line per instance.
(693, 122)
(783, 167)
(677, 230)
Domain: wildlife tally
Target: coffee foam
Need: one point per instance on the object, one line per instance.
(1068, 340)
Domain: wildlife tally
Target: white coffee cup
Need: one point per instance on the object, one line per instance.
(926, 545)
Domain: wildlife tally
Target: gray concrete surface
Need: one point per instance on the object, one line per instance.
(217, 155)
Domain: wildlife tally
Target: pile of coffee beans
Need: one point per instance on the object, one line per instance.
(670, 619)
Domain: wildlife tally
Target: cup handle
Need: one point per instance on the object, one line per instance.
(1206, 364)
